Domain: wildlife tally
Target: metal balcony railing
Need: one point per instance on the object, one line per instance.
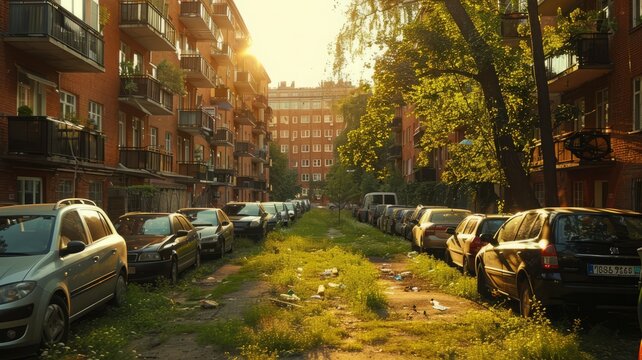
(148, 158)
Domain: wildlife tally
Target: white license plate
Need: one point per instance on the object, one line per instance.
(132, 270)
(613, 270)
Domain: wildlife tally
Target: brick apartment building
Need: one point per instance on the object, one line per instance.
(599, 156)
(90, 107)
(304, 124)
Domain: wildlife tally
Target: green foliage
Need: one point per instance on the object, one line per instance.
(284, 179)
(25, 110)
(171, 76)
(340, 186)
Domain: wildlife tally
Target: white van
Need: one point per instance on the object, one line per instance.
(371, 200)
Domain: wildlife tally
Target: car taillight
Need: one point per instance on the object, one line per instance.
(549, 257)
(432, 229)
(476, 244)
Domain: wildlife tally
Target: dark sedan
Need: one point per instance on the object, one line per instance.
(159, 245)
(214, 228)
(249, 218)
(275, 218)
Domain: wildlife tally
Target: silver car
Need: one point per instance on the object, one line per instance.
(57, 262)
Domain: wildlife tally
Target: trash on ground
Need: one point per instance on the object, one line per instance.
(412, 254)
(386, 270)
(284, 303)
(333, 272)
(316, 297)
(437, 305)
(411, 288)
(289, 297)
(209, 304)
(321, 290)
(398, 277)
(405, 273)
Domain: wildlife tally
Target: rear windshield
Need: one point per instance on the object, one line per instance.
(246, 209)
(598, 228)
(201, 216)
(490, 226)
(451, 217)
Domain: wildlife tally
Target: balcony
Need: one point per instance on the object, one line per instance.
(244, 117)
(198, 21)
(220, 175)
(589, 60)
(223, 98)
(223, 54)
(549, 7)
(244, 83)
(150, 159)
(395, 124)
(260, 155)
(510, 23)
(241, 41)
(424, 174)
(394, 152)
(260, 128)
(583, 148)
(244, 149)
(222, 137)
(260, 102)
(198, 71)
(147, 94)
(195, 169)
(54, 36)
(222, 15)
(54, 140)
(418, 134)
(195, 122)
(147, 25)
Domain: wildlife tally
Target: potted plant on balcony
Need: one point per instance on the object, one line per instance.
(171, 77)
(25, 110)
(127, 70)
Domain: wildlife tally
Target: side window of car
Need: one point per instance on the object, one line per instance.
(176, 225)
(537, 226)
(471, 226)
(462, 225)
(184, 223)
(96, 224)
(222, 217)
(71, 229)
(525, 228)
(509, 230)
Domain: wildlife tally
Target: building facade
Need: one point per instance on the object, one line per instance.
(136, 104)
(304, 124)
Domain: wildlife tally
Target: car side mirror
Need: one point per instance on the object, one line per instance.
(181, 233)
(450, 230)
(489, 238)
(73, 247)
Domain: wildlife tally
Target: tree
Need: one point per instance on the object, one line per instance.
(340, 187)
(282, 177)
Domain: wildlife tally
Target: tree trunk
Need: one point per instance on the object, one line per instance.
(543, 108)
(508, 156)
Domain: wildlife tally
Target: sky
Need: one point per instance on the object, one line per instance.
(291, 38)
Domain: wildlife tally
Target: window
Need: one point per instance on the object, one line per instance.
(509, 230)
(67, 105)
(327, 133)
(305, 148)
(636, 12)
(316, 177)
(199, 153)
(327, 119)
(538, 188)
(327, 147)
(316, 104)
(153, 136)
(32, 93)
(305, 177)
(186, 150)
(295, 120)
(295, 134)
(578, 123)
(137, 62)
(305, 163)
(168, 142)
(304, 191)
(284, 148)
(122, 131)
(96, 224)
(295, 149)
(316, 163)
(284, 134)
(578, 193)
(29, 190)
(316, 133)
(295, 164)
(64, 189)
(316, 119)
(316, 148)
(637, 102)
(329, 162)
(285, 120)
(338, 118)
(135, 132)
(274, 134)
(305, 119)
(96, 192)
(337, 132)
(525, 229)
(294, 105)
(96, 115)
(637, 195)
(305, 133)
(602, 108)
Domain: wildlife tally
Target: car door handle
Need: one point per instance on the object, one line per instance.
(96, 258)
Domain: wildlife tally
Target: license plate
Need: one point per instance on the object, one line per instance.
(613, 270)
(132, 270)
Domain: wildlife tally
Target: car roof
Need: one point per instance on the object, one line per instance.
(585, 210)
(148, 213)
(198, 209)
(48, 208)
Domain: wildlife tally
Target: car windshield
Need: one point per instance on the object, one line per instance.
(289, 206)
(143, 225)
(490, 226)
(450, 217)
(270, 209)
(25, 234)
(244, 209)
(599, 228)
(201, 217)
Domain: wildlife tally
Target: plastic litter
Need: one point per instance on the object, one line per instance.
(289, 297)
(412, 254)
(209, 304)
(436, 305)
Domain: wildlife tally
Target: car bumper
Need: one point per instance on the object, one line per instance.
(555, 292)
(248, 232)
(434, 243)
(210, 247)
(149, 270)
(20, 327)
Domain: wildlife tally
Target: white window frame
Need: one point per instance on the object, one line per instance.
(305, 177)
(327, 119)
(122, 129)
(68, 106)
(316, 119)
(295, 149)
(295, 134)
(284, 148)
(305, 133)
(284, 134)
(305, 148)
(316, 162)
(96, 114)
(316, 177)
(327, 133)
(329, 162)
(316, 147)
(284, 119)
(168, 142)
(327, 148)
(153, 136)
(305, 119)
(316, 133)
(305, 163)
(636, 13)
(34, 185)
(136, 132)
(578, 193)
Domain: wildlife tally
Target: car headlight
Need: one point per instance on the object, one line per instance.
(255, 223)
(149, 256)
(16, 291)
(210, 239)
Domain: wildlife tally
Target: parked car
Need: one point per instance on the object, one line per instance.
(291, 211)
(58, 262)
(414, 219)
(159, 245)
(249, 218)
(388, 218)
(430, 234)
(283, 210)
(402, 222)
(214, 228)
(465, 240)
(274, 219)
(580, 256)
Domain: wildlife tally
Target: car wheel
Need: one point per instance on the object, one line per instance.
(222, 249)
(55, 324)
(197, 259)
(525, 299)
(482, 286)
(173, 272)
(231, 250)
(464, 266)
(120, 292)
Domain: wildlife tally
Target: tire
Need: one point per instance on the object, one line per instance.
(222, 252)
(197, 259)
(231, 250)
(120, 292)
(172, 276)
(482, 286)
(525, 299)
(55, 324)
(447, 259)
(464, 266)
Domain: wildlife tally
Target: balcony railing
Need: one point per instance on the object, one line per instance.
(259, 128)
(244, 148)
(195, 122)
(394, 152)
(146, 92)
(418, 134)
(150, 159)
(222, 15)
(260, 101)
(221, 174)
(197, 20)
(147, 25)
(510, 23)
(48, 137)
(577, 148)
(222, 136)
(223, 98)
(261, 155)
(587, 61)
(244, 117)
(55, 36)
(223, 54)
(395, 124)
(195, 169)
(198, 71)
(245, 83)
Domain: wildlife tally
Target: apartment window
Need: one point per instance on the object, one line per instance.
(327, 147)
(64, 189)
(285, 134)
(305, 163)
(316, 133)
(316, 163)
(294, 105)
(316, 104)
(337, 132)
(295, 149)
(602, 109)
(295, 134)
(96, 115)
(329, 162)
(636, 12)
(338, 118)
(637, 103)
(295, 120)
(29, 190)
(186, 150)
(122, 130)
(284, 148)
(199, 153)
(137, 62)
(32, 93)
(135, 132)
(168, 142)
(327, 133)
(67, 105)
(285, 120)
(305, 148)
(316, 177)
(316, 119)
(316, 148)
(304, 191)
(578, 193)
(578, 123)
(274, 133)
(637, 195)
(295, 164)
(153, 136)
(305, 133)
(327, 119)
(305, 177)
(96, 192)
(305, 105)
(538, 188)
(305, 119)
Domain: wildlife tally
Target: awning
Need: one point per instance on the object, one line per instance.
(37, 78)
